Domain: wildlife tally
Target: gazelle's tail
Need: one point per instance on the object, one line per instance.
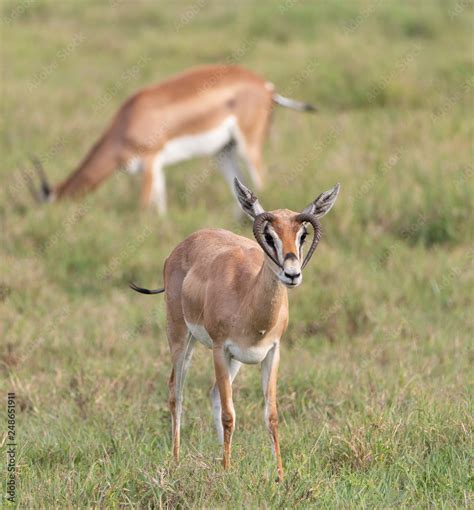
(286, 102)
(145, 291)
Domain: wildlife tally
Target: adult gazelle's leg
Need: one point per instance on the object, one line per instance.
(224, 384)
(228, 162)
(251, 138)
(154, 185)
(147, 180)
(269, 383)
(181, 357)
(216, 399)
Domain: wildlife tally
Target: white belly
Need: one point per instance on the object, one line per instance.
(248, 355)
(190, 146)
(201, 144)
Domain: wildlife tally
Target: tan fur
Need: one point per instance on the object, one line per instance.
(189, 103)
(230, 293)
(224, 283)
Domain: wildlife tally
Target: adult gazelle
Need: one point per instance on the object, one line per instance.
(220, 110)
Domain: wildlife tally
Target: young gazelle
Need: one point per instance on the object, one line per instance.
(230, 293)
(221, 110)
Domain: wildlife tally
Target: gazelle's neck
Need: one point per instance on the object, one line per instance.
(265, 301)
(99, 163)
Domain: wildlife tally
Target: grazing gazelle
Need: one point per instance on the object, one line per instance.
(221, 110)
(230, 293)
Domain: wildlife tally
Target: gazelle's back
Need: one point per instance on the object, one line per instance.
(205, 250)
(167, 104)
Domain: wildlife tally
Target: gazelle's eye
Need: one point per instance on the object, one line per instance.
(269, 240)
(303, 237)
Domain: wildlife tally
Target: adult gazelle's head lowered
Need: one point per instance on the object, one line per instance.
(282, 234)
(214, 110)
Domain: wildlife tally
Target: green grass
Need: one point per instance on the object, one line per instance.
(374, 389)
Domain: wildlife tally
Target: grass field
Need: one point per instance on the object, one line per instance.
(374, 388)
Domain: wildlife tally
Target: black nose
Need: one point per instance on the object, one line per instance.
(292, 276)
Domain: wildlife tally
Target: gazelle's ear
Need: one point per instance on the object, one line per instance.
(323, 204)
(247, 200)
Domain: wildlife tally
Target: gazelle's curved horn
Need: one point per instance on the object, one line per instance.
(258, 228)
(304, 217)
(38, 166)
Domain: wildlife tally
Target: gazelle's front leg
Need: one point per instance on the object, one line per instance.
(224, 384)
(154, 185)
(269, 383)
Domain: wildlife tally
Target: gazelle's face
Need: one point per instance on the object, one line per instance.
(284, 237)
(282, 233)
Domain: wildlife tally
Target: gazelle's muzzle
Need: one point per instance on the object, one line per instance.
(291, 275)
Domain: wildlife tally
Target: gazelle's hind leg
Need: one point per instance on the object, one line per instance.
(181, 353)
(234, 367)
